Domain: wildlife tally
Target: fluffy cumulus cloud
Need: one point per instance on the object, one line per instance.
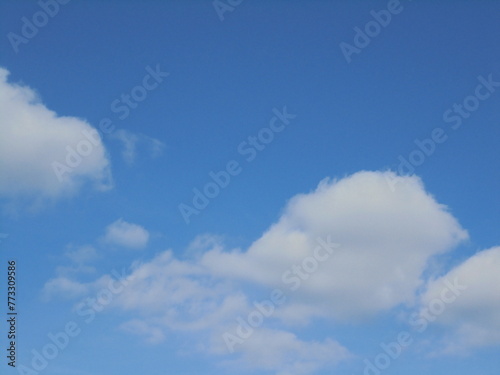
(348, 250)
(43, 154)
(473, 316)
(386, 238)
(126, 234)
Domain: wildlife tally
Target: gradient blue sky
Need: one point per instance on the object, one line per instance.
(225, 79)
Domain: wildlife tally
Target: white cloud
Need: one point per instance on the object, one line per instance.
(63, 286)
(181, 296)
(80, 257)
(284, 353)
(473, 316)
(151, 334)
(126, 234)
(82, 254)
(131, 142)
(181, 293)
(203, 243)
(387, 238)
(32, 137)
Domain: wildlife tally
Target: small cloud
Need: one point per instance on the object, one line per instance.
(203, 243)
(75, 270)
(131, 143)
(126, 234)
(156, 147)
(152, 335)
(79, 257)
(82, 254)
(62, 286)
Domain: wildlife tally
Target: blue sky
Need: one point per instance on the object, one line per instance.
(375, 169)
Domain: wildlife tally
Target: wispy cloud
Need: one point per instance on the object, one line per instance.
(132, 142)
